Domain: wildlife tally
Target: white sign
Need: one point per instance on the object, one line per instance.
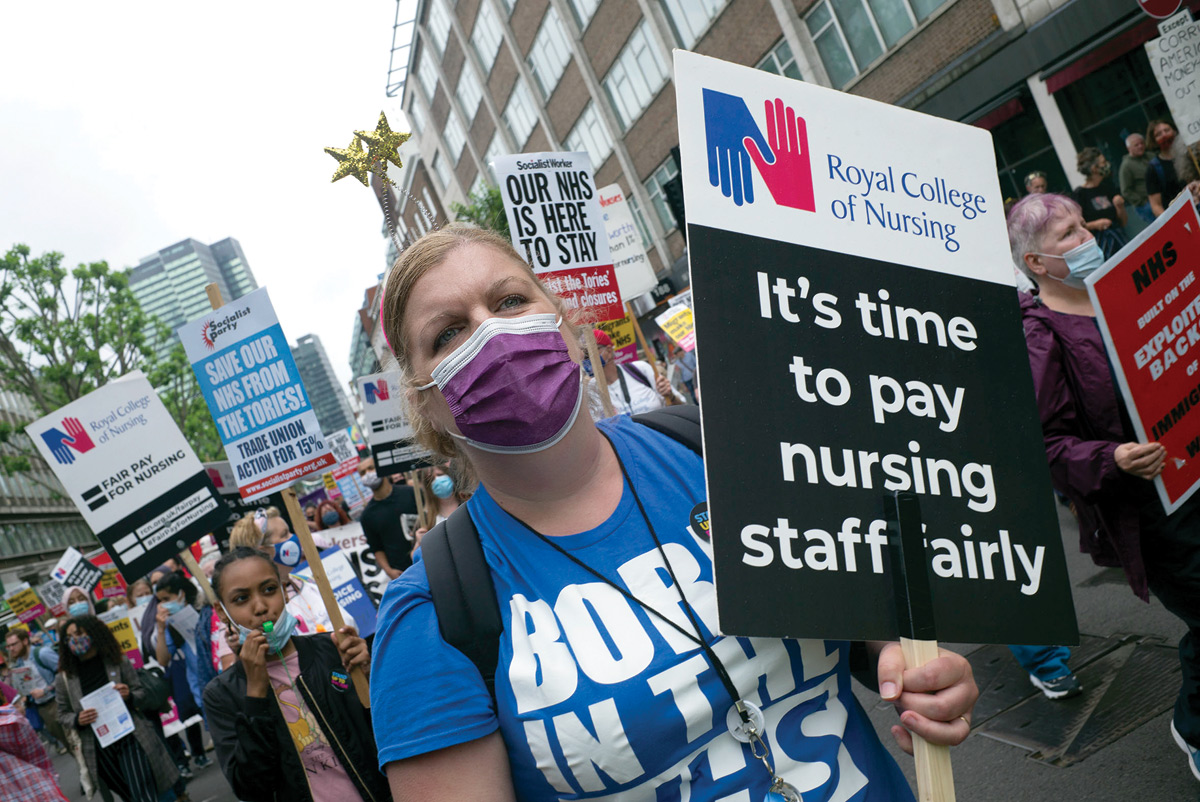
(635, 276)
(253, 389)
(1175, 61)
(387, 428)
(353, 543)
(556, 223)
(113, 721)
(131, 473)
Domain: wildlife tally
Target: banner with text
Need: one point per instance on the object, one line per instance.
(388, 431)
(111, 583)
(1175, 61)
(131, 473)
(1147, 302)
(623, 338)
(635, 274)
(347, 588)
(51, 592)
(221, 474)
(678, 324)
(870, 277)
(122, 629)
(254, 392)
(24, 602)
(75, 570)
(555, 221)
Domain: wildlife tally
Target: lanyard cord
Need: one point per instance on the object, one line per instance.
(696, 638)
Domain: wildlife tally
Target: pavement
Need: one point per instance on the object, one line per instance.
(1142, 764)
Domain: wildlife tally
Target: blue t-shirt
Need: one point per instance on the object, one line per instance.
(599, 699)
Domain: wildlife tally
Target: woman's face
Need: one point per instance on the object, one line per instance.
(251, 592)
(1064, 232)
(1164, 135)
(75, 597)
(76, 637)
(165, 595)
(450, 301)
(1099, 166)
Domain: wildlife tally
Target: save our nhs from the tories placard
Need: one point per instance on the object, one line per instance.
(860, 251)
(255, 394)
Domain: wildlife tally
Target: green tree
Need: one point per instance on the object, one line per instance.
(175, 381)
(485, 210)
(64, 332)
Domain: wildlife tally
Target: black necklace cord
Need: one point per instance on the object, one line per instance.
(698, 637)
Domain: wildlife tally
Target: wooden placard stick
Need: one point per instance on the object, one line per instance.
(641, 337)
(309, 548)
(361, 686)
(914, 614)
(189, 560)
(593, 352)
(418, 495)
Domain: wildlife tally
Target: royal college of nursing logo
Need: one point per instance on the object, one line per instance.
(376, 391)
(65, 444)
(733, 140)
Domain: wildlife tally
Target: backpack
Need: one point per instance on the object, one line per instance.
(460, 583)
(157, 689)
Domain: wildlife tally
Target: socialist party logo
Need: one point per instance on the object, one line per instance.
(61, 444)
(377, 391)
(734, 140)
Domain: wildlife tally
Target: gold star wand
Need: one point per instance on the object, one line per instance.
(382, 147)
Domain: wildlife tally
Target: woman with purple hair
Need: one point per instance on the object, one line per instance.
(1095, 459)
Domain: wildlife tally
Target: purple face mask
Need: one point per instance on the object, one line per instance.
(512, 386)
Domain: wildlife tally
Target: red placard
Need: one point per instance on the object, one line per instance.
(590, 293)
(1160, 9)
(1148, 305)
(111, 583)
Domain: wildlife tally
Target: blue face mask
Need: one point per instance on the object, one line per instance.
(172, 607)
(141, 601)
(330, 518)
(288, 552)
(442, 486)
(77, 609)
(281, 631)
(1082, 261)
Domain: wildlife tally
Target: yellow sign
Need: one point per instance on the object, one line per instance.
(621, 332)
(25, 604)
(677, 324)
(110, 579)
(331, 485)
(122, 630)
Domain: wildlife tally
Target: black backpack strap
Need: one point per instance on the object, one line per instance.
(463, 594)
(681, 423)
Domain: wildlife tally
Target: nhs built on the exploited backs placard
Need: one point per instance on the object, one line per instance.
(254, 392)
(851, 276)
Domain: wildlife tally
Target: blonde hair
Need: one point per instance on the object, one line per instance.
(245, 533)
(418, 259)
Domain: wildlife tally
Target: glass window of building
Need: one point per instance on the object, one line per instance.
(469, 92)
(658, 198)
(690, 18)
(635, 77)
(851, 34)
(416, 116)
(780, 61)
(486, 36)
(583, 11)
(442, 170)
(437, 23)
(494, 151)
(478, 185)
(455, 138)
(590, 134)
(550, 52)
(639, 217)
(520, 114)
(1023, 146)
(427, 73)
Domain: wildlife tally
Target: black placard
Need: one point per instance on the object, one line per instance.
(990, 466)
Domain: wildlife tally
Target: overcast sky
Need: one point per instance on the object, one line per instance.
(126, 127)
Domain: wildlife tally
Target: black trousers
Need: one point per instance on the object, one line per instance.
(1171, 550)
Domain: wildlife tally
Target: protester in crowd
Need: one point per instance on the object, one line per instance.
(150, 613)
(330, 515)
(78, 602)
(1036, 183)
(26, 772)
(1103, 207)
(283, 548)
(188, 635)
(11, 696)
(566, 509)
(1171, 171)
(285, 721)
(35, 670)
(310, 514)
(1132, 180)
(442, 496)
(685, 365)
(633, 387)
(136, 767)
(381, 520)
(1095, 459)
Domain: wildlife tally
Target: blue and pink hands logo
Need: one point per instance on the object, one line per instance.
(61, 444)
(733, 140)
(377, 391)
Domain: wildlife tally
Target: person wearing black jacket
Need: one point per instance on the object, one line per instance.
(285, 720)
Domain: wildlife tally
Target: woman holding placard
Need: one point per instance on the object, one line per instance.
(137, 766)
(1095, 459)
(610, 677)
